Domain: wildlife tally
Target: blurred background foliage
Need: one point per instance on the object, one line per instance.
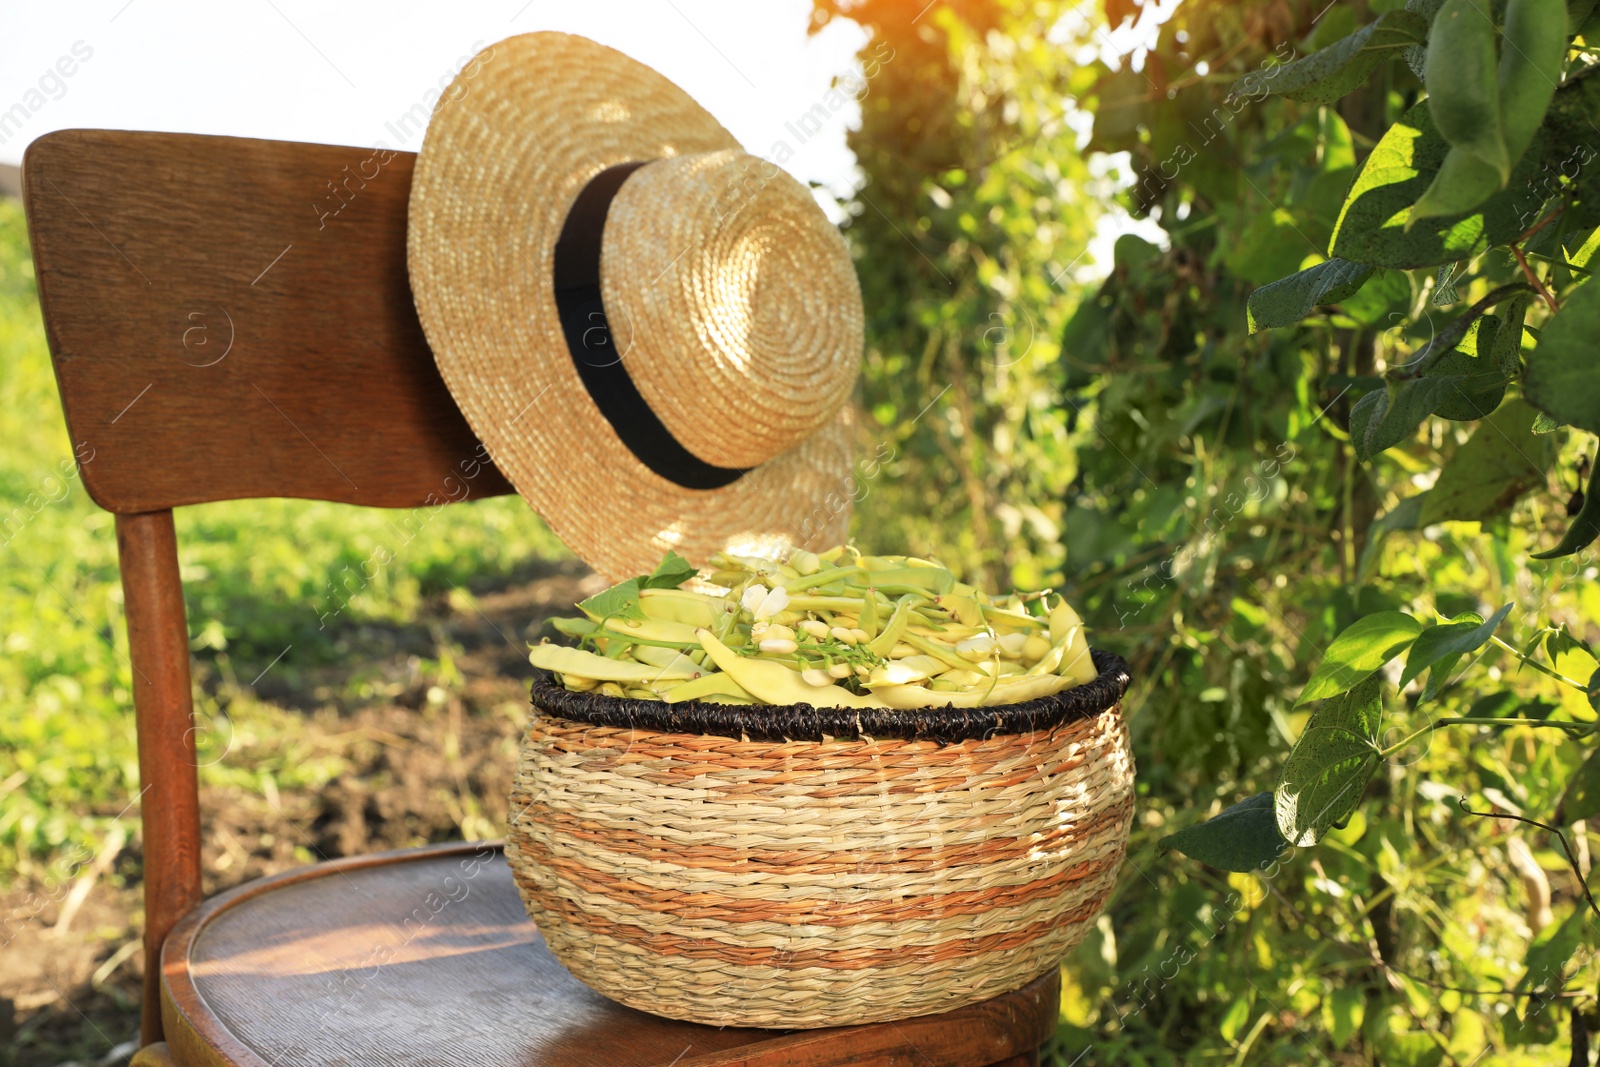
(1191, 485)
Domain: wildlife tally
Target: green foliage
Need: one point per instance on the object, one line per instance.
(967, 227)
(1585, 524)
(1327, 75)
(1388, 417)
(671, 572)
(1244, 837)
(1439, 648)
(1185, 459)
(622, 600)
(1286, 302)
(1561, 377)
(1324, 777)
(1361, 648)
(1492, 469)
(1378, 226)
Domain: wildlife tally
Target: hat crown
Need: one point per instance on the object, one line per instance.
(733, 304)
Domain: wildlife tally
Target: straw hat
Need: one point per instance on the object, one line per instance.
(654, 333)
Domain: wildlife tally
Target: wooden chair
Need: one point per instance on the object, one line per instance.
(230, 319)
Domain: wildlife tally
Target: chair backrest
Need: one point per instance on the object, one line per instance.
(229, 318)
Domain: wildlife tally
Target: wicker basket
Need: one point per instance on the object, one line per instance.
(798, 867)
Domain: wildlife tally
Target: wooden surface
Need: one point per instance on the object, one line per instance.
(169, 803)
(156, 1055)
(231, 318)
(427, 957)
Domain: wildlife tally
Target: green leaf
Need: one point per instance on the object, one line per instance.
(671, 572)
(1124, 96)
(1543, 424)
(1288, 300)
(1325, 76)
(1498, 464)
(1578, 12)
(1505, 705)
(1361, 648)
(1585, 525)
(1482, 385)
(1560, 378)
(1234, 1018)
(1581, 799)
(620, 601)
(1560, 639)
(1343, 1009)
(1457, 385)
(1476, 385)
(1243, 837)
(1329, 767)
(1441, 647)
(1505, 351)
(1480, 334)
(1530, 67)
(1385, 418)
(1444, 290)
(1372, 224)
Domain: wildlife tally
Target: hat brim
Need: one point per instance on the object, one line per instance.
(520, 133)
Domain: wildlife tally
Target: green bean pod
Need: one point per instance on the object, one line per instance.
(1585, 525)
(1462, 183)
(884, 643)
(1530, 69)
(1463, 85)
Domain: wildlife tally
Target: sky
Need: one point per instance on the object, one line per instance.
(343, 73)
(334, 73)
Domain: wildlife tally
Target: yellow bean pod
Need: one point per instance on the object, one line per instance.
(776, 684)
(563, 660)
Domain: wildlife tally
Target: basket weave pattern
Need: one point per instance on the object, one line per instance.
(816, 883)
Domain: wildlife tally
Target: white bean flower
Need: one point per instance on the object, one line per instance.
(772, 603)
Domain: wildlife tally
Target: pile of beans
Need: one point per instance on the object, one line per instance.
(831, 629)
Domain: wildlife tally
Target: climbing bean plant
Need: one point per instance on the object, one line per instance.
(1489, 179)
(1315, 456)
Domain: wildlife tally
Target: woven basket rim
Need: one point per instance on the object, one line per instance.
(802, 722)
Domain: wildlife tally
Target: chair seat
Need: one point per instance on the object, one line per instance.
(426, 956)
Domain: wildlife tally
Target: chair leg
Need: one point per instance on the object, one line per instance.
(157, 1055)
(158, 644)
